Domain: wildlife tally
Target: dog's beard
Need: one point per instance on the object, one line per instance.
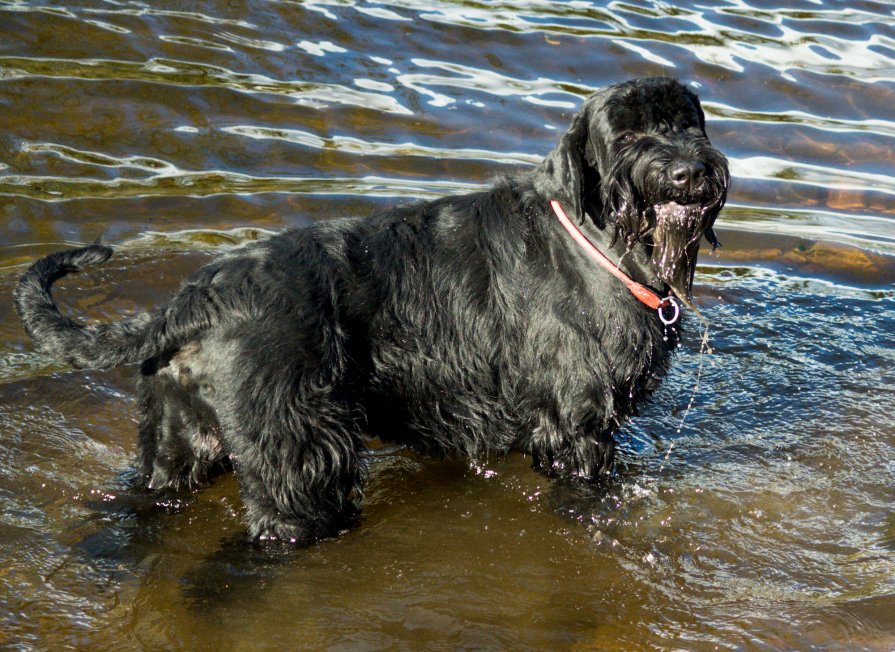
(636, 199)
(675, 244)
(637, 182)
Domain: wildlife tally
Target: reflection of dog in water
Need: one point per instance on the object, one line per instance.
(471, 324)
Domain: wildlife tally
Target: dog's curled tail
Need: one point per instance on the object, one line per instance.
(84, 347)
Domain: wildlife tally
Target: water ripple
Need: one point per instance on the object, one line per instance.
(208, 183)
(879, 127)
(359, 147)
(774, 169)
(138, 12)
(725, 36)
(867, 231)
(467, 78)
(185, 73)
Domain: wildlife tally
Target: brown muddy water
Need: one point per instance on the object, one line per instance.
(763, 518)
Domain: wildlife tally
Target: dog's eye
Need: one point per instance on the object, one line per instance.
(628, 137)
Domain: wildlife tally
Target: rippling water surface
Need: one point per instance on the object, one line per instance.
(762, 517)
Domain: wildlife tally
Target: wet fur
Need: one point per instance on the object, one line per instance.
(470, 324)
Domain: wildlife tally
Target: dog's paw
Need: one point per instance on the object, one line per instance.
(285, 532)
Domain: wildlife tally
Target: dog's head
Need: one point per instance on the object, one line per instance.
(637, 159)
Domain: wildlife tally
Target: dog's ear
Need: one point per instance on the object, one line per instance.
(569, 173)
(710, 234)
(698, 106)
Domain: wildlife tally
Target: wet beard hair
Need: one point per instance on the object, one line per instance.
(675, 244)
(635, 186)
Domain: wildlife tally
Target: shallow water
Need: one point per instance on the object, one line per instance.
(762, 517)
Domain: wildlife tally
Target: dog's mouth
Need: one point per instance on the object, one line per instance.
(675, 244)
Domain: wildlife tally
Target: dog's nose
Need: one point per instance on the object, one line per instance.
(687, 175)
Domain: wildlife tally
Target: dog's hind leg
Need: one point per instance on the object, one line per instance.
(301, 471)
(179, 441)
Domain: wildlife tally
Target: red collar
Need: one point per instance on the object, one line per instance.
(643, 293)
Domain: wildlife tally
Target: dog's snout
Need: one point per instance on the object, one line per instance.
(687, 175)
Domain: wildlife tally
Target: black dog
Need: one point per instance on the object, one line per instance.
(472, 324)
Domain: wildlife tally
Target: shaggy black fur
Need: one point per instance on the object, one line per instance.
(471, 324)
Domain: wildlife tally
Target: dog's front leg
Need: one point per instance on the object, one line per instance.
(585, 452)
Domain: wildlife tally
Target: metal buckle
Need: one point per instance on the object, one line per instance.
(669, 301)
